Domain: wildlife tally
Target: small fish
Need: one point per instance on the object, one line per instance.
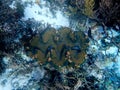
(89, 33)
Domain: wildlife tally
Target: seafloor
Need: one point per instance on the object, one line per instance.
(58, 45)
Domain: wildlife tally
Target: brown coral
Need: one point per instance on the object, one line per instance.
(88, 7)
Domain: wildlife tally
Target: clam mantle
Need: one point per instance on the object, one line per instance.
(63, 47)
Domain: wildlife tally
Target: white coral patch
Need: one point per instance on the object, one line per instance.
(13, 5)
(113, 33)
(43, 14)
(112, 50)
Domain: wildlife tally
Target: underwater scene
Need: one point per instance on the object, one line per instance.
(59, 44)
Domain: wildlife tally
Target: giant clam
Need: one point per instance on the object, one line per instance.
(63, 47)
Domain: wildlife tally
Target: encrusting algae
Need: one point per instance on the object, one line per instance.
(63, 47)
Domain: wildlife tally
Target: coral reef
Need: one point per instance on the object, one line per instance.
(9, 15)
(81, 7)
(103, 11)
(59, 45)
(107, 11)
(88, 8)
(9, 27)
(7, 43)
